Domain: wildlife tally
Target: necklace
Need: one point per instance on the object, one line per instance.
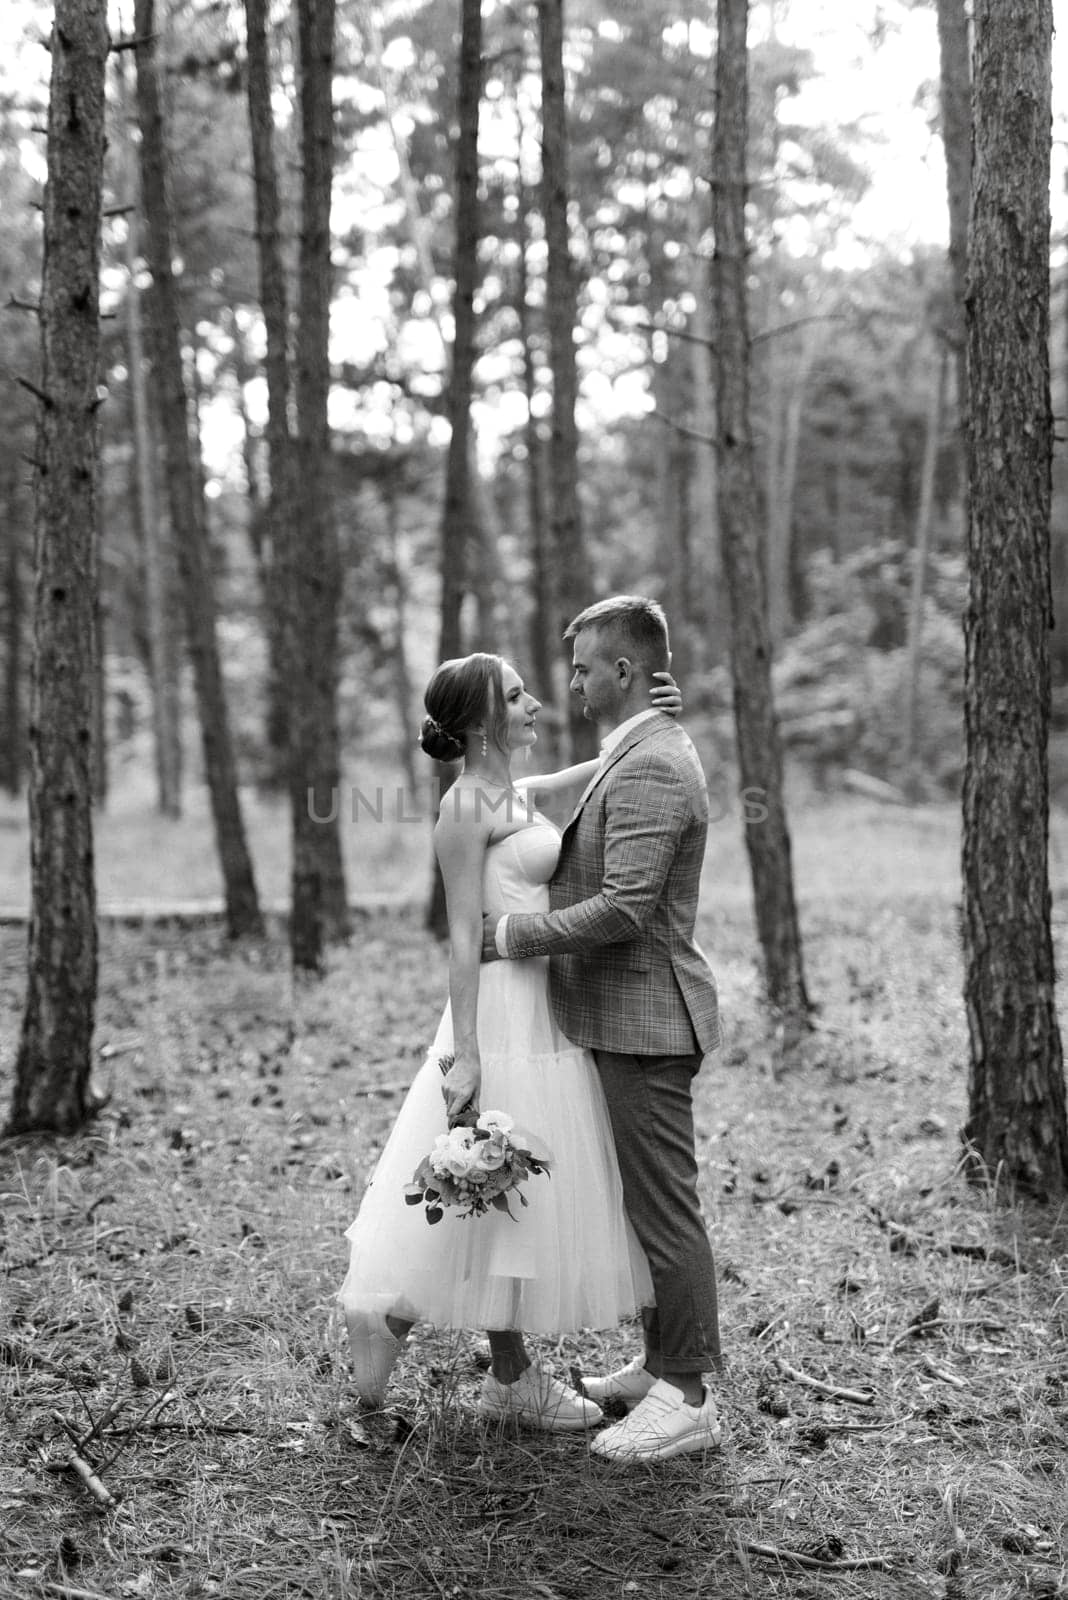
(483, 777)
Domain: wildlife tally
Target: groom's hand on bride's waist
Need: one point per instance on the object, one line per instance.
(489, 937)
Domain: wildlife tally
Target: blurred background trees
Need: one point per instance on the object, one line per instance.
(849, 337)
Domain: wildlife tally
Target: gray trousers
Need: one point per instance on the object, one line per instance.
(650, 1106)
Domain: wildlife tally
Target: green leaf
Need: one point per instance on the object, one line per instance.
(434, 1214)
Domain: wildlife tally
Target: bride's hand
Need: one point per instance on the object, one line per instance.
(461, 1088)
(666, 696)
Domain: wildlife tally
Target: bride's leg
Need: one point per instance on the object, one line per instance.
(508, 1354)
(375, 1342)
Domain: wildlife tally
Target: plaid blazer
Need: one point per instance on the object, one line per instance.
(626, 973)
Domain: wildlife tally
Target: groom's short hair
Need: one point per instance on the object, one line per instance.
(628, 625)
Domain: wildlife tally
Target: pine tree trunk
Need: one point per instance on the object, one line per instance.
(956, 97)
(920, 547)
(570, 561)
(12, 752)
(457, 508)
(402, 673)
(164, 645)
(458, 496)
(320, 904)
(276, 555)
(1016, 1093)
(540, 633)
(759, 755)
(100, 704)
(711, 626)
(52, 1067)
(186, 501)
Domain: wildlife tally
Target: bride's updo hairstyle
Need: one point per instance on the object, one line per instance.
(464, 693)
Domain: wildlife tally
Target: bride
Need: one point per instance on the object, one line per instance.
(569, 1259)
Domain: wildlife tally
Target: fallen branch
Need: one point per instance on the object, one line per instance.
(833, 1391)
(795, 1558)
(940, 1372)
(88, 1474)
(908, 1241)
(71, 1593)
(918, 1329)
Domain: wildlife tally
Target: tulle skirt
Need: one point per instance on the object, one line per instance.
(569, 1259)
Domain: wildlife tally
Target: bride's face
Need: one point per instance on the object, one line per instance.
(521, 708)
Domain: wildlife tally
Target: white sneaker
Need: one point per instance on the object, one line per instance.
(537, 1400)
(630, 1384)
(661, 1425)
(374, 1351)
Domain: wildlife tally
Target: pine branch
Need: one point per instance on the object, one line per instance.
(131, 41)
(681, 428)
(799, 322)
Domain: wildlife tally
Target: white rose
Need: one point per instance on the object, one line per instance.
(497, 1121)
(491, 1155)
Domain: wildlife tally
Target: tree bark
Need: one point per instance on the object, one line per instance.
(542, 656)
(320, 903)
(1016, 1094)
(956, 96)
(186, 501)
(457, 508)
(570, 561)
(164, 645)
(12, 738)
(275, 555)
(458, 495)
(707, 629)
(921, 545)
(759, 754)
(52, 1067)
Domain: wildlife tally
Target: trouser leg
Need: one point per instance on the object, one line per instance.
(651, 1110)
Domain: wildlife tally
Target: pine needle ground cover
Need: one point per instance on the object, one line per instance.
(896, 1400)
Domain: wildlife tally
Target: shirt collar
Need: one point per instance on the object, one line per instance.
(611, 740)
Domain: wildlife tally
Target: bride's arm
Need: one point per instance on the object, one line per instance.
(460, 840)
(665, 696)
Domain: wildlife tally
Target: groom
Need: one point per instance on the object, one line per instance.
(629, 982)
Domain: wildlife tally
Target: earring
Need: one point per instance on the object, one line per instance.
(485, 744)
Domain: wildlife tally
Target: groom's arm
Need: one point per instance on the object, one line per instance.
(645, 812)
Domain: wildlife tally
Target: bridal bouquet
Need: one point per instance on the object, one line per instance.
(476, 1165)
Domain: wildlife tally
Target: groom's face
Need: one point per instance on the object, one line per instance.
(594, 676)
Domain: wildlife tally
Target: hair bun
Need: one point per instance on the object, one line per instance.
(438, 743)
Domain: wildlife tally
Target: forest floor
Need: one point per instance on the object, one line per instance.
(167, 1284)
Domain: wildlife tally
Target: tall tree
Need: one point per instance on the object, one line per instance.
(459, 498)
(52, 1067)
(12, 717)
(319, 901)
(186, 498)
(1016, 1093)
(570, 561)
(541, 653)
(275, 539)
(955, 73)
(164, 643)
(759, 754)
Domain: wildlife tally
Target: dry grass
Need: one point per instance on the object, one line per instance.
(181, 1258)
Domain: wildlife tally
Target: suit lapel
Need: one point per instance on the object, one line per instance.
(636, 735)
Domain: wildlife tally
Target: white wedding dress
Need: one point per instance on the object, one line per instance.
(570, 1259)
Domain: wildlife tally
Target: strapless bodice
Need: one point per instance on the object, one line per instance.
(518, 868)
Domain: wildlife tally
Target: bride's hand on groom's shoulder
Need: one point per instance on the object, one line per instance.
(666, 694)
